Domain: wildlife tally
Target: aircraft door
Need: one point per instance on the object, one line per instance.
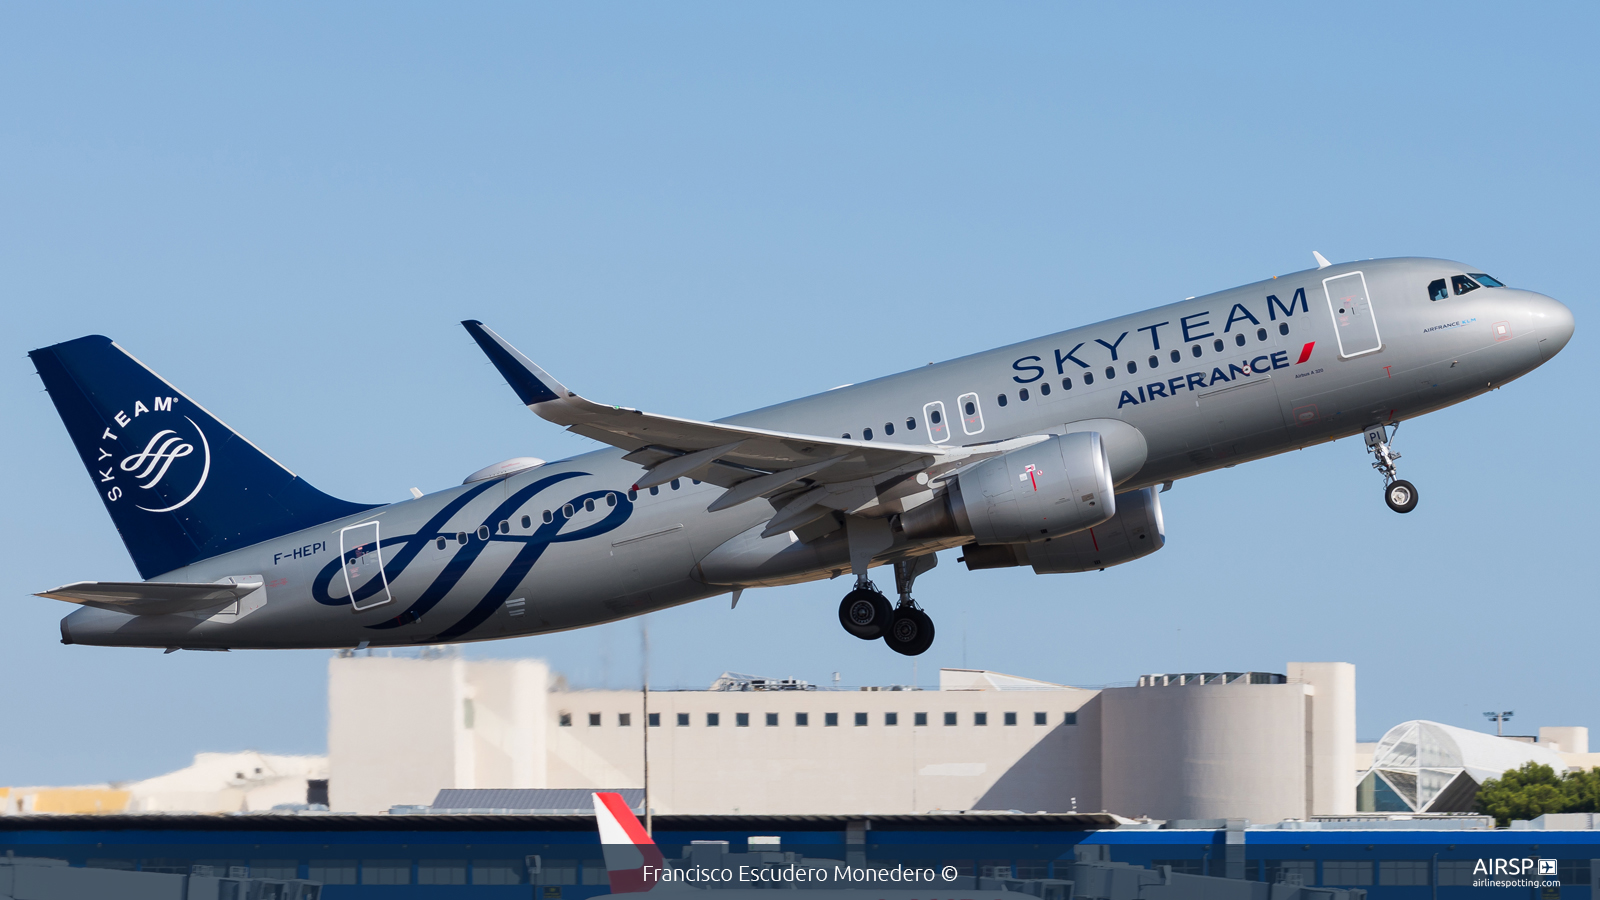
(938, 428)
(364, 580)
(971, 413)
(1353, 321)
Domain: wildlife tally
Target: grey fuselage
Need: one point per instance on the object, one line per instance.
(1221, 402)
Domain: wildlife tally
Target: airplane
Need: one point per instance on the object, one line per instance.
(1050, 453)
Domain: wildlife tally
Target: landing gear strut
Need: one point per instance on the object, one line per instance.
(1401, 495)
(910, 629)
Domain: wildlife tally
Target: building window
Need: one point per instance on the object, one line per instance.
(801, 720)
(713, 720)
(830, 719)
(891, 718)
(497, 871)
(385, 871)
(594, 719)
(1347, 872)
(772, 720)
(683, 719)
(919, 718)
(442, 871)
(1408, 872)
(1070, 718)
(861, 719)
(981, 718)
(565, 720)
(332, 871)
(1455, 872)
(624, 719)
(655, 720)
(1011, 718)
(741, 720)
(950, 718)
(1041, 718)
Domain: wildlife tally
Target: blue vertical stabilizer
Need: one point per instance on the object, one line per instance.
(180, 485)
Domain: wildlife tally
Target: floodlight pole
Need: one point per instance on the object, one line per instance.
(644, 679)
(1499, 719)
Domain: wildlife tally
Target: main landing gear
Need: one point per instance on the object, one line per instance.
(1401, 495)
(867, 614)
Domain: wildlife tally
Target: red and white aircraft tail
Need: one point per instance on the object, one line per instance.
(633, 861)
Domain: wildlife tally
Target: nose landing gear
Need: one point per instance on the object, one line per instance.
(1399, 494)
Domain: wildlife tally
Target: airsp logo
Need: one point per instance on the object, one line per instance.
(175, 455)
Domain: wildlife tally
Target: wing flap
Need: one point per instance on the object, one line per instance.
(153, 598)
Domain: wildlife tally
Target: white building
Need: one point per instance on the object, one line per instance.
(1204, 745)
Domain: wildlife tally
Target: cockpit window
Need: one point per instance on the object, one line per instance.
(1462, 284)
(1438, 290)
(1485, 280)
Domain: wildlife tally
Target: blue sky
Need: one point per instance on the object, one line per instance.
(704, 208)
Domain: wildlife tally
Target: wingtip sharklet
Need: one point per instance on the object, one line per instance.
(532, 384)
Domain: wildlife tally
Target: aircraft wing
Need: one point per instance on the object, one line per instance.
(151, 598)
(805, 475)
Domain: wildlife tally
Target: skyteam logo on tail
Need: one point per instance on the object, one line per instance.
(172, 462)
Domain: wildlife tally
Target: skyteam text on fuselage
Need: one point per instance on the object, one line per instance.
(1050, 453)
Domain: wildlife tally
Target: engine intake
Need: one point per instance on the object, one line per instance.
(1051, 489)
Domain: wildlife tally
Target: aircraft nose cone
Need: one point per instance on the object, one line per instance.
(1552, 325)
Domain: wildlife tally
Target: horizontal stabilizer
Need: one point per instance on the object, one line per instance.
(152, 598)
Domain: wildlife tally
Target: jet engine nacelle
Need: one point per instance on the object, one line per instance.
(1135, 531)
(1053, 488)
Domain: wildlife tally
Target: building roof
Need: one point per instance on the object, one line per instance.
(1428, 764)
(532, 801)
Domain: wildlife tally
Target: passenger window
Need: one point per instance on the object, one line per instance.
(655, 490)
(888, 428)
(1261, 334)
(611, 499)
(866, 434)
(441, 543)
(1152, 361)
(972, 422)
(567, 511)
(461, 537)
(1283, 327)
(1001, 400)
(1022, 394)
(674, 484)
(483, 532)
(1239, 339)
(548, 517)
(1066, 384)
(1217, 345)
(936, 417)
(1462, 284)
(505, 527)
(1438, 290)
(588, 505)
(911, 424)
(1088, 378)
(527, 522)
(1111, 371)
(1044, 388)
(1176, 356)
(846, 435)
(633, 494)
(1195, 351)
(1485, 280)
